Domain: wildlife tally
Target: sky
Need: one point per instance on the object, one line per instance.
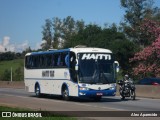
(21, 21)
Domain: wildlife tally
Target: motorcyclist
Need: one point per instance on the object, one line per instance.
(125, 81)
(127, 88)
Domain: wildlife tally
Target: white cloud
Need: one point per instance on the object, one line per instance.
(1, 48)
(5, 41)
(38, 45)
(22, 47)
(7, 46)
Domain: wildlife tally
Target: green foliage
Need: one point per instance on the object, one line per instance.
(47, 34)
(135, 12)
(58, 33)
(17, 69)
(109, 38)
(19, 74)
(6, 76)
(123, 50)
(7, 56)
(89, 36)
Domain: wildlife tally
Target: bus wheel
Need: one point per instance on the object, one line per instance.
(65, 94)
(37, 91)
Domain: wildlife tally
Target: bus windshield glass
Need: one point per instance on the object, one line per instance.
(96, 68)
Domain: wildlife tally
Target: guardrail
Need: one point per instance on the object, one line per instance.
(13, 84)
(148, 91)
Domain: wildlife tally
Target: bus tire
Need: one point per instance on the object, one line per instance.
(37, 91)
(65, 94)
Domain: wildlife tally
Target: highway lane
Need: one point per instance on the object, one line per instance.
(21, 98)
(140, 104)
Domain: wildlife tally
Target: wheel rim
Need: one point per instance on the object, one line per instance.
(37, 91)
(65, 93)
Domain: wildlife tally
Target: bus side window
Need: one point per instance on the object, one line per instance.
(55, 59)
(48, 60)
(42, 61)
(72, 67)
(59, 60)
(66, 60)
(27, 62)
(31, 61)
(52, 61)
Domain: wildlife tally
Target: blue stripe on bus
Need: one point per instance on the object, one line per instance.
(48, 52)
(44, 79)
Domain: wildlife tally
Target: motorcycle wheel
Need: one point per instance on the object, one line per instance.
(122, 97)
(121, 94)
(133, 95)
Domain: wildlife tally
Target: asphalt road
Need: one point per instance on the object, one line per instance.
(21, 98)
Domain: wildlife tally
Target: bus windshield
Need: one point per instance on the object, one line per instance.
(96, 68)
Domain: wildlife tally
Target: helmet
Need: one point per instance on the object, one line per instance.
(126, 76)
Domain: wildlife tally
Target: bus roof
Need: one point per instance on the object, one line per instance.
(83, 50)
(76, 50)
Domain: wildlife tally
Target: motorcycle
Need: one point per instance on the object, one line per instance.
(127, 89)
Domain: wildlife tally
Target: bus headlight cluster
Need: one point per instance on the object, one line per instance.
(83, 88)
(81, 93)
(112, 88)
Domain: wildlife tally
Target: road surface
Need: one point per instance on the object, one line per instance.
(21, 98)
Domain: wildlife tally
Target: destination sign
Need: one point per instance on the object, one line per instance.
(96, 56)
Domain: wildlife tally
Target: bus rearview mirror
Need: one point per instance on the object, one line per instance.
(116, 66)
(76, 67)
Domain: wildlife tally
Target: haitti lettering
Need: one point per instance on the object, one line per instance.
(96, 56)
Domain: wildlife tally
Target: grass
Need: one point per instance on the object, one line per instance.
(10, 109)
(12, 63)
(7, 65)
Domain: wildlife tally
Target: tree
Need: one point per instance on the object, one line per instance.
(147, 61)
(47, 35)
(123, 50)
(135, 12)
(58, 33)
(7, 56)
(109, 38)
(65, 29)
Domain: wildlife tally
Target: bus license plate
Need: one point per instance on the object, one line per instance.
(100, 94)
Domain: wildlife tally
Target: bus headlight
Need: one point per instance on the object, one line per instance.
(83, 88)
(112, 88)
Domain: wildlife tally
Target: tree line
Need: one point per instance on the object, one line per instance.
(137, 33)
(135, 42)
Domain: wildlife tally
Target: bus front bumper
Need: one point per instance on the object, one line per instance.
(94, 93)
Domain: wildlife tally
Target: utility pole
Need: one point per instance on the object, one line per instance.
(11, 74)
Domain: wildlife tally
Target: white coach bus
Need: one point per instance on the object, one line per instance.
(73, 72)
